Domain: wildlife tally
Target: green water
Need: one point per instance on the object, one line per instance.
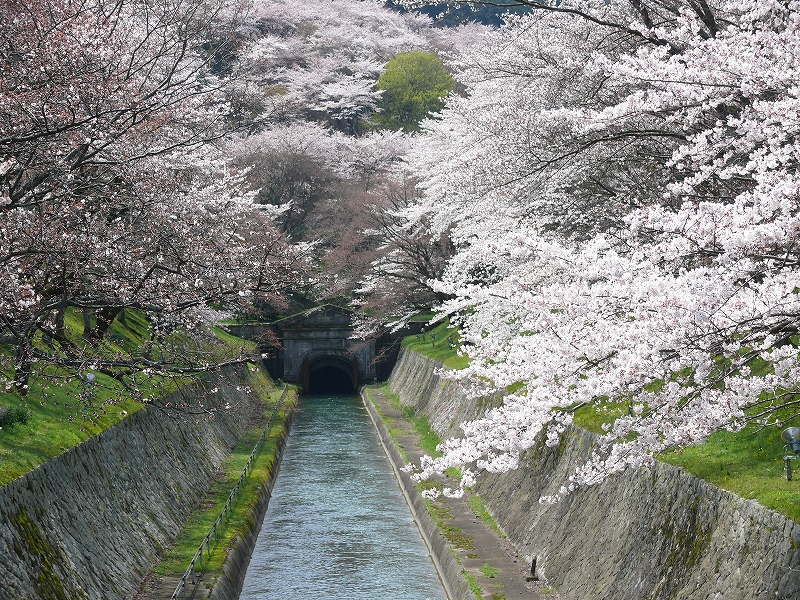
(337, 525)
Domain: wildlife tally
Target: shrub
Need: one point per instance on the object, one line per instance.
(16, 414)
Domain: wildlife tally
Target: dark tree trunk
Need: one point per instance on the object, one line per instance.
(105, 316)
(60, 317)
(87, 323)
(22, 368)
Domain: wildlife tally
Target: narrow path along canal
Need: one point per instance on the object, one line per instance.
(337, 526)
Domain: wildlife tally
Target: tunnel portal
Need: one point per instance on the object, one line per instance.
(320, 353)
(330, 375)
(317, 350)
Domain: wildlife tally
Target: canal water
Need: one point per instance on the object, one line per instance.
(337, 526)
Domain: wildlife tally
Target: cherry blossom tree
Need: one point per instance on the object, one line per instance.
(112, 194)
(621, 186)
(290, 166)
(397, 285)
(307, 99)
(329, 188)
(320, 62)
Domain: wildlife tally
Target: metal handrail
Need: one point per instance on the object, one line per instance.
(197, 561)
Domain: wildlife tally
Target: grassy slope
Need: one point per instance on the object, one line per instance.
(434, 344)
(60, 419)
(748, 463)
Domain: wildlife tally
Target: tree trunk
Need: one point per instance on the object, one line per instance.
(22, 367)
(60, 317)
(87, 323)
(105, 316)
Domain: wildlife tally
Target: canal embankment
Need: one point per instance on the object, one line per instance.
(227, 584)
(209, 557)
(653, 533)
(89, 524)
(473, 556)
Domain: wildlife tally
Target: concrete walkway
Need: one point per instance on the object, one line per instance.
(489, 558)
(162, 588)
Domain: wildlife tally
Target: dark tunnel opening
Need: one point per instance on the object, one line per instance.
(330, 380)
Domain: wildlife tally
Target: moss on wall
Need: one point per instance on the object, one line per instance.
(43, 558)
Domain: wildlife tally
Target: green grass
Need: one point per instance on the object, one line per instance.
(594, 416)
(434, 344)
(394, 399)
(438, 512)
(234, 342)
(473, 585)
(65, 411)
(489, 571)
(748, 463)
(239, 522)
(428, 438)
(59, 420)
(391, 424)
(479, 508)
(424, 317)
(455, 535)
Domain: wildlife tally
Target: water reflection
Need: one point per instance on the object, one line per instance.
(337, 525)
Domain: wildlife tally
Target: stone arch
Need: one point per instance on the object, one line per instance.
(323, 373)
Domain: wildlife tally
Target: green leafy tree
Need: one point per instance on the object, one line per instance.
(414, 85)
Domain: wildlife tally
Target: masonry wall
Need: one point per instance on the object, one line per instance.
(90, 523)
(655, 533)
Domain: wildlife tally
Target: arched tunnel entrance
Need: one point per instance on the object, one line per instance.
(330, 375)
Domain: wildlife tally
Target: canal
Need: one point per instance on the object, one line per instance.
(337, 526)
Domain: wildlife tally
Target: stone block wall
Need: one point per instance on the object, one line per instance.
(654, 533)
(90, 523)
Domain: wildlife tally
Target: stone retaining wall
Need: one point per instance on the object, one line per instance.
(655, 533)
(90, 523)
